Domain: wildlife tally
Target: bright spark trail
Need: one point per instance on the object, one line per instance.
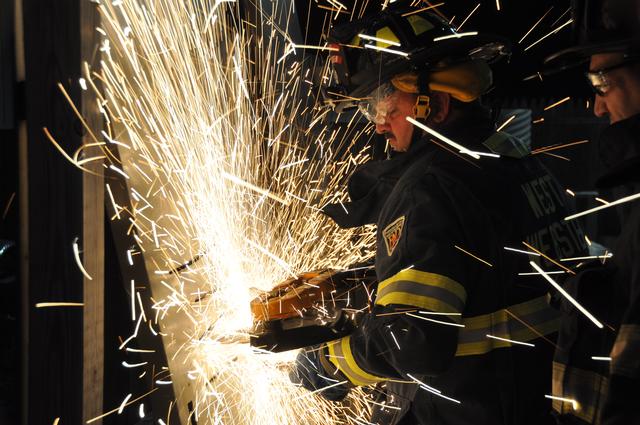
(214, 126)
(227, 159)
(567, 296)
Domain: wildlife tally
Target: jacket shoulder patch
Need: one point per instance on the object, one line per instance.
(391, 234)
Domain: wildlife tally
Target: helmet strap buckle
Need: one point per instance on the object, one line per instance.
(422, 107)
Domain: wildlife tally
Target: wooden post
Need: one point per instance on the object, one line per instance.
(63, 375)
(23, 191)
(92, 231)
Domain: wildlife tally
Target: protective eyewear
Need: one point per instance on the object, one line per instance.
(379, 105)
(598, 78)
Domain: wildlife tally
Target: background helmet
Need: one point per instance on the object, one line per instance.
(599, 26)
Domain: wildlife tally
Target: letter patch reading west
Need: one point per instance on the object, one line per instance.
(391, 234)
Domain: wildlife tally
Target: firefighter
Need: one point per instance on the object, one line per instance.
(460, 331)
(597, 370)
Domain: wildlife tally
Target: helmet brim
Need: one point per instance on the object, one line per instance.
(578, 55)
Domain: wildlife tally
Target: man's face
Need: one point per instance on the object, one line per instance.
(622, 98)
(391, 119)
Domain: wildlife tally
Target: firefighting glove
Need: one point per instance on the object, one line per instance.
(314, 371)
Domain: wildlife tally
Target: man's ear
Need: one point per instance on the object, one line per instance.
(440, 102)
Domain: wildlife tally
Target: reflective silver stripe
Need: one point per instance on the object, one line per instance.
(429, 291)
(625, 355)
(508, 327)
(520, 322)
(587, 388)
(423, 290)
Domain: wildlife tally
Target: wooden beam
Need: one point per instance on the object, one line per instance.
(23, 202)
(54, 216)
(92, 231)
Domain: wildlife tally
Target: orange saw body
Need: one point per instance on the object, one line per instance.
(309, 309)
(290, 297)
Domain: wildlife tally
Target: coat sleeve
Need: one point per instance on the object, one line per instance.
(620, 406)
(624, 381)
(425, 281)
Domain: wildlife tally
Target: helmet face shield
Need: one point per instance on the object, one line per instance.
(377, 106)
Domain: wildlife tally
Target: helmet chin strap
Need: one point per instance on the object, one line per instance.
(422, 107)
(416, 136)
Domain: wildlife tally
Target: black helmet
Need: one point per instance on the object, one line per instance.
(370, 51)
(599, 26)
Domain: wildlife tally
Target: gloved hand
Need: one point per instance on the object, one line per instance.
(314, 371)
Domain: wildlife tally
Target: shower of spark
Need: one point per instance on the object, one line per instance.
(214, 123)
(228, 159)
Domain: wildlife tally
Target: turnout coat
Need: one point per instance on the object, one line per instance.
(597, 370)
(460, 330)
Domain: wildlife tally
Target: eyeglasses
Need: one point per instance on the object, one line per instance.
(598, 79)
(379, 105)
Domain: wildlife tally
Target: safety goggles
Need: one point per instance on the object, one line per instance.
(598, 78)
(379, 104)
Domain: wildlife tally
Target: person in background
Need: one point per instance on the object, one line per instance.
(597, 370)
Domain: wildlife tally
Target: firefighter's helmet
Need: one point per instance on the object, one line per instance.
(599, 26)
(416, 51)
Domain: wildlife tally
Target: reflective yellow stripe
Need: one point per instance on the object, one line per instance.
(404, 298)
(385, 33)
(489, 344)
(342, 358)
(518, 310)
(587, 388)
(528, 321)
(416, 288)
(532, 319)
(625, 355)
(431, 279)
